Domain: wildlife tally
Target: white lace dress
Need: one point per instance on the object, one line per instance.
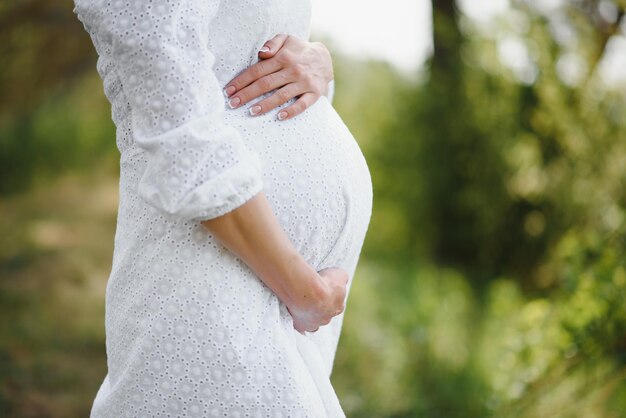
(191, 331)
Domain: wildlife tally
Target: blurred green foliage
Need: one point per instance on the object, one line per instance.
(493, 278)
(53, 114)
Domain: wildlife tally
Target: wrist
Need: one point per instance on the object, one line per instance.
(325, 54)
(304, 288)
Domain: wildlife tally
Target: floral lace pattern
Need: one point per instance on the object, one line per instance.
(191, 330)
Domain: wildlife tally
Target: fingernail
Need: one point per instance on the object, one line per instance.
(234, 102)
(282, 115)
(264, 49)
(254, 110)
(229, 90)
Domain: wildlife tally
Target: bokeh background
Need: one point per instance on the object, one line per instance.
(493, 280)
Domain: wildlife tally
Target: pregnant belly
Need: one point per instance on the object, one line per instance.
(315, 176)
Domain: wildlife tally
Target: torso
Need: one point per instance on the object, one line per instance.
(312, 162)
(178, 302)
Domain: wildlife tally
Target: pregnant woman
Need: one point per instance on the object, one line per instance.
(238, 232)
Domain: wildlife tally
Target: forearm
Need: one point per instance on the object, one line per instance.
(253, 233)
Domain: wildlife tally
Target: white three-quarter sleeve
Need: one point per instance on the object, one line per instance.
(197, 166)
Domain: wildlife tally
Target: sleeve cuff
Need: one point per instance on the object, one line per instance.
(215, 197)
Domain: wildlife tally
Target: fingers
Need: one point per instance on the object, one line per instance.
(261, 68)
(281, 96)
(298, 327)
(249, 76)
(309, 325)
(261, 86)
(288, 70)
(272, 46)
(303, 103)
(340, 309)
(301, 328)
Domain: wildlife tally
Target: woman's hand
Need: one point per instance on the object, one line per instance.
(253, 234)
(291, 65)
(311, 317)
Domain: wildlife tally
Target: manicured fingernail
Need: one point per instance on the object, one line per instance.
(234, 102)
(229, 90)
(264, 49)
(282, 115)
(254, 110)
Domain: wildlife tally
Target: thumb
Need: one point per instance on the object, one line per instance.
(271, 47)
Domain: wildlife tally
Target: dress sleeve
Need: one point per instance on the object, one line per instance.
(198, 167)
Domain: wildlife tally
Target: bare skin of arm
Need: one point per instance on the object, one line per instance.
(253, 233)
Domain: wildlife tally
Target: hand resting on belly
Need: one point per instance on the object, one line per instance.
(252, 232)
(295, 68)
